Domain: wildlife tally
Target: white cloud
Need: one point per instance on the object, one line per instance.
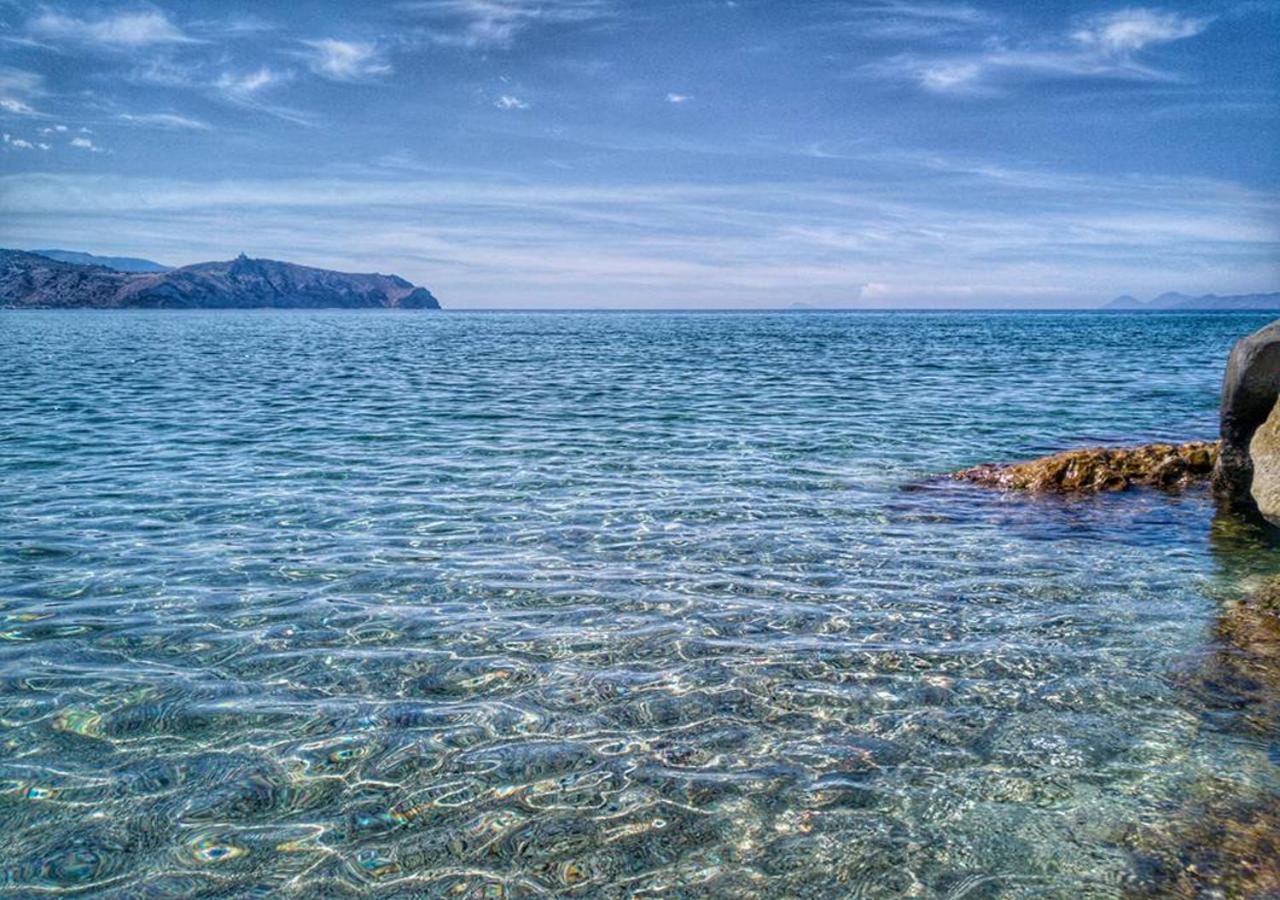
(947, 76)
(123, 30)
(496, 23)
(248, 83)
(1104, 46)
(84, 143)
(17, 88)
(678, 98)
(169, 121)
(346, 60)
(17, 107)
(1130, 30)
(245, 89)
(506, 101)
(17, 143)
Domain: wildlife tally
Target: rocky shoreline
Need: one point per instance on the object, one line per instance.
(1218, 847)
(1243, 466)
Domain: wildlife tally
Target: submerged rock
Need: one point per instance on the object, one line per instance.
(1097, 469)
(1237, 683)
(1224, 840)
(1250, 388)
(1211, 849)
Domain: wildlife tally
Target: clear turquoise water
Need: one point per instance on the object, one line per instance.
(603, 604)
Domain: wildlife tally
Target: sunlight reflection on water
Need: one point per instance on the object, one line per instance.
(504, 604)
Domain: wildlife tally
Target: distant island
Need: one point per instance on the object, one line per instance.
(30, 280)
(1204, 303)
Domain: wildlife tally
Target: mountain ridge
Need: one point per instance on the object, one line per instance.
(1172, 300)
(31, 281)
(119, 263)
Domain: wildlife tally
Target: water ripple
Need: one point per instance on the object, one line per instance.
(601, 605)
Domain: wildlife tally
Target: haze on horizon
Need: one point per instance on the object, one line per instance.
(711, 153)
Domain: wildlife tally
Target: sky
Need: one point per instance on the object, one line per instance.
(699, 153)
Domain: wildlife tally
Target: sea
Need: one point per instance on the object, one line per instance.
(614, 604)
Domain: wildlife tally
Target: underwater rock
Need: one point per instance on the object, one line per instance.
(1250, 387)
(1097, 469)
(1214, 849)
(1224, 841)
(1264, 453)
(1237, 684)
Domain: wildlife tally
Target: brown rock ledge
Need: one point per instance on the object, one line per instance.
(1095, 469)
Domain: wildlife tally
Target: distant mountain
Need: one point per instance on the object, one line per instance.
(28, 280)
(1126, 302)
(1209, 302)
(119, 263)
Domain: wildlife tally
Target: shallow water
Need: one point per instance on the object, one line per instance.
(607, 604)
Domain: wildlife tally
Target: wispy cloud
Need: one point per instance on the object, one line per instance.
(678, 98)
(248, 84)
(17, 89)
(124, 30)
(17, 107)
(1117, 34)
(346, 60)
(1102, 46)
(247, 89)
(969, 233)
(84, 143)
(496, 23)
(508, 101)
(167, 121)
(907, 20)
(165, 71)
(235, 25)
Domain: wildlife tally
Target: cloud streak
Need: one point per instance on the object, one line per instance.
(125, 30)
(17, 89)
(166, 121)
(495, 24)
(907, 20)
(246, 89)
(1102, 46)
(491, 241)
(1118, 34)
(350, 61)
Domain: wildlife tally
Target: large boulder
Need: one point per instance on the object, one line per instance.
(1250, 389)
(1264, 454)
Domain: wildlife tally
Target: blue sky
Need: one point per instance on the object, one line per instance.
(552, 153)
